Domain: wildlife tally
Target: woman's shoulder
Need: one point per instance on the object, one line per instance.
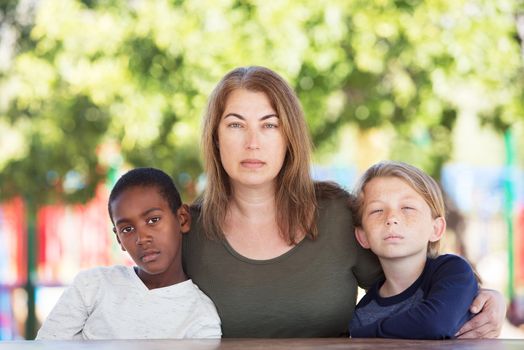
(330, 190)
(334, 207)
(332, 196)
(195, 208)
(196, 231)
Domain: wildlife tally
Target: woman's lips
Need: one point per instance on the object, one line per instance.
(252, 163)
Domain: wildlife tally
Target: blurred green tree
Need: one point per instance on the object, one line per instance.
(410, 66)
(135, 75)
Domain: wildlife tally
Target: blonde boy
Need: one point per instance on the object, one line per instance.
(400, 216)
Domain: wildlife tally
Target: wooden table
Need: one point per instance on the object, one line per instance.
(266, 344)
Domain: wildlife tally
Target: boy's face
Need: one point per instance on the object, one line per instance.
(396, 220)
(150, 232)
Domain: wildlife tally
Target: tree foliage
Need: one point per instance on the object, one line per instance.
(136, 75)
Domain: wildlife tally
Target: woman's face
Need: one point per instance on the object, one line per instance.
(250, 140)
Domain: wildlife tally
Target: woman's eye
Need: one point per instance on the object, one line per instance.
(153, 220)
(234, 125)
(271, 126)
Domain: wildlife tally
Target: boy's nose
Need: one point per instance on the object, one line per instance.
(142, 237)
(391, 220)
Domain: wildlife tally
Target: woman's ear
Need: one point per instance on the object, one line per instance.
(184, 218)
(362, 238)
(439, 227)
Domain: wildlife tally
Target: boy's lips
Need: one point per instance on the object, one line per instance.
(149, 255)
(393, 236)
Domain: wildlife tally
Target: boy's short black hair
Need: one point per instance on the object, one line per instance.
(147, 177)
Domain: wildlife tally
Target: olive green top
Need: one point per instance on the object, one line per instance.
(309, 291)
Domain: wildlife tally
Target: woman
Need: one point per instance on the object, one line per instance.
(275, 251)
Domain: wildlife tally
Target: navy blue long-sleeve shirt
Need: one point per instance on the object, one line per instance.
(435, 306)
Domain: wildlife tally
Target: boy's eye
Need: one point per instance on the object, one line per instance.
(153, 220)
(126, 229)
(408, 208)
(375, 211)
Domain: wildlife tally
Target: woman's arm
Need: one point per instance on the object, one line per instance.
(490, 309)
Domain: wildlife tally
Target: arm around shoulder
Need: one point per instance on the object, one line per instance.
(490, 309)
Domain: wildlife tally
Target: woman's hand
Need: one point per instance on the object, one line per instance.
(489, 308)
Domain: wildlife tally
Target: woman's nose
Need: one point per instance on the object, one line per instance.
(252, 141)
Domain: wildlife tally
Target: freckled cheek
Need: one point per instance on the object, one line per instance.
(373, 226)
(411, 219)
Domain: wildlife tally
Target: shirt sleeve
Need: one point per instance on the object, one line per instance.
(439, 315)
(67, 319)
(209, 330)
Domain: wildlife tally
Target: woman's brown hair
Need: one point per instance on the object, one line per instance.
(295, 199)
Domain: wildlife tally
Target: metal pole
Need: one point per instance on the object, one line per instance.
(31, 324)
(509, 199)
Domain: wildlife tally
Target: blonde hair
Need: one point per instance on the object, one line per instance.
(295, 199)
(417, 179)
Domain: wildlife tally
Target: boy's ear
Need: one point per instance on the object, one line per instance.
(184, 218)
(361, 237)
(118, 240)
(439, 227)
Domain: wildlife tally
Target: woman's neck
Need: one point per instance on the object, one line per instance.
(252, 203)
(251, 226)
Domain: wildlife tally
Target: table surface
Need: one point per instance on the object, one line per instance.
(299, 344)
